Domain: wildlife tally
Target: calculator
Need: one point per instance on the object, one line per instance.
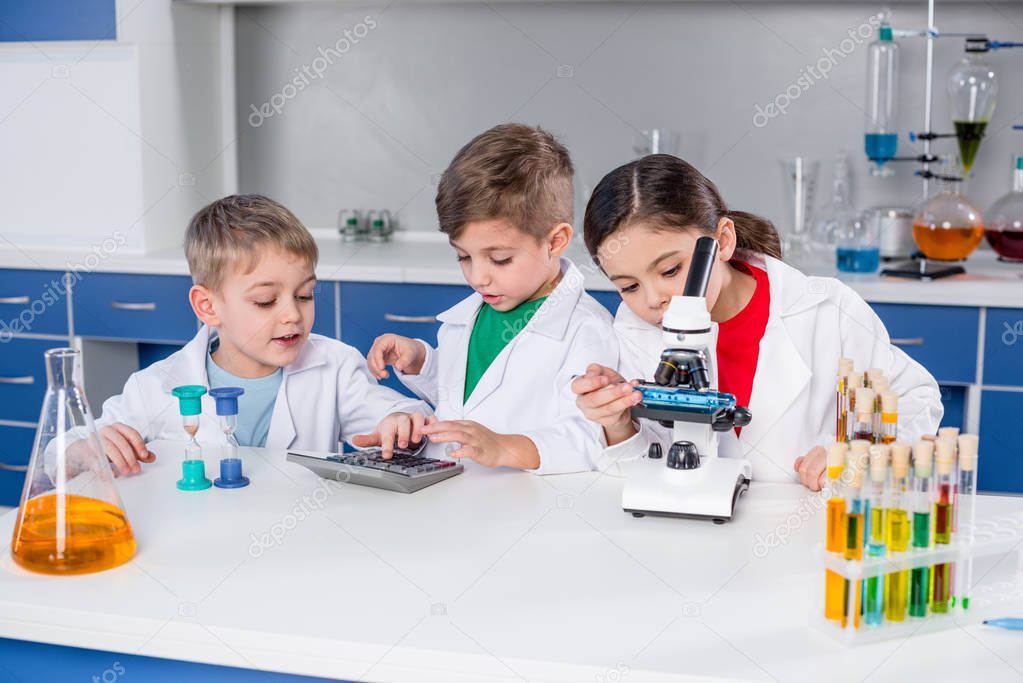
(407, 472)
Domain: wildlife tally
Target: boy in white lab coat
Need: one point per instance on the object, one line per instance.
(252, 263)
(501, 373)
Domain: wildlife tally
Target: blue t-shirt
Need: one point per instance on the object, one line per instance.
(255, 406)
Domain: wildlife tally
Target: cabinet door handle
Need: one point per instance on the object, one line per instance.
(908, 341)
(29, 379)
(121, 306)
(14, 300)
(4, 467)
(395, 318)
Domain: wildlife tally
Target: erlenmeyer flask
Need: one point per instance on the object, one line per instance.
(71, 520)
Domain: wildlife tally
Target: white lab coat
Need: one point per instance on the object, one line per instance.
(813, 321)
(326, 395)
(527, 389)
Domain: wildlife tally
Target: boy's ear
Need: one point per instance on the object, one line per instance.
(560, 237)
(202, 303)
(726, 239)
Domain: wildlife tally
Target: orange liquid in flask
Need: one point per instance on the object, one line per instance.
(947, 244)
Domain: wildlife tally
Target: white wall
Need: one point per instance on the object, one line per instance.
(386, 118)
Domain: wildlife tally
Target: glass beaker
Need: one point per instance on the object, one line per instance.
(859, 244)
(948, 226)
(799, 176)
(1005, 219)
(972, 94)
(71, 520)
(828, 222)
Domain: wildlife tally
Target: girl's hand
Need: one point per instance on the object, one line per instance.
(811, 468)
(404, 354)
(605, 397)
(125, 448)
(402, 429)
(484, 446)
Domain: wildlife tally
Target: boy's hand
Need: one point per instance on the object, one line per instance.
(484, 446)
(811, 468)
(605, 397)
(125, 448)
(406, 355)
(400, 428)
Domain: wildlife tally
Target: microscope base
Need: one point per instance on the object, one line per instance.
(708, 492)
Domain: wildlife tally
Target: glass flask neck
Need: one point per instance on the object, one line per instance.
(1017, 175)
(62, 367)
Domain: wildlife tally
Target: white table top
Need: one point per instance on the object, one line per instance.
(490, 576)
(425, 259)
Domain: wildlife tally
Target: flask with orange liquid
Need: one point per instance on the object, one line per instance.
(71, 520)
(948, 226)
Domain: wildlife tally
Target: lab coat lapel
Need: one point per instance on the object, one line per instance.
(458, 322)
(492, 377)
(303, 384)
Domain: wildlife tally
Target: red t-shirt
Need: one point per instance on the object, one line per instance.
(739, 340)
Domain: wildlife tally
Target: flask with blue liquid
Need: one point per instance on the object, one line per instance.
(881, 139)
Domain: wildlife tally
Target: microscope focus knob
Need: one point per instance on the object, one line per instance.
(742, 416)
(683, 455)
(654, 452)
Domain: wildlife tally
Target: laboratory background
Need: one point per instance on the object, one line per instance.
(884, 141)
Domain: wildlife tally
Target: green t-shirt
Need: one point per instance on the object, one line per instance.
(490, 334)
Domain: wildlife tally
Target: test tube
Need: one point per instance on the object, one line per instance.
(873, 611)
(231, 476)
(845, 366)
(880, 386)
(855, 517)
(966, 509)
(923, 471)
(889, 417)
(943, 515)
(834, 584)
(854, 380)
(897, 583)
(193, 467)
(952, 434)
(863, 428)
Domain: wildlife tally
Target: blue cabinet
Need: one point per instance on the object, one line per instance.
(136, 307)
(371, 309)
(1003, 347)
(39, 20)
(1000, 468)
(15, 450)
(325, 304)
(941, 338)
(23, 378)
(32, 302)
(953, 399)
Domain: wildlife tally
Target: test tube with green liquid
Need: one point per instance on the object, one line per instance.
(923, 475)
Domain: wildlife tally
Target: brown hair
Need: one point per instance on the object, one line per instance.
(512, 172)
(233, 229)
(672, 194)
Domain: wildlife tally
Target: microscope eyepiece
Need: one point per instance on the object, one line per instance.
(700, 266)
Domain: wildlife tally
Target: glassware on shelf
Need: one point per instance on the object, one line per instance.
(972, 94)
(1004, 227)
(858, 247)
(881, 137)
(71, 520)
(828, 222)
(948, 226)
(799, 177)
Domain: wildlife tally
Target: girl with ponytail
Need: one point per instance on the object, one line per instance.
(779, 336)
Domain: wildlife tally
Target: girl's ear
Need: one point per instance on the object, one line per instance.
(202, 303)
(560, 237)
(726, 239)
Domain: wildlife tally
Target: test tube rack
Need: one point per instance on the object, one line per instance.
(996, 554)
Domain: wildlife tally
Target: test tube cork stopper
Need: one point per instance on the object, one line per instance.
(923, 458)
(969, 444)
(945, 455)
(865, 402)
(854, 380)
(948, 433)
(836, 458)
(874, 373)
(900, 459)
(880, 385)
(845, 366)
(889, 402)
(878, 463)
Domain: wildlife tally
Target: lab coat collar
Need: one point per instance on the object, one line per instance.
(551, 319)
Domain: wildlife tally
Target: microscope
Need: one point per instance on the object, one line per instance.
(692, 481)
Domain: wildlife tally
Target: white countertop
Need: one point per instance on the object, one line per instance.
(428, 260)
(490, 576)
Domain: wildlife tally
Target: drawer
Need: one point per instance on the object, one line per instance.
(371, 309)
(1003, 347)
(941, 338)
(1000, 468)
(23, 378)
(325, 303)
(15, 449)
(608, 300)
(137, 307)
(953, 400)
(58, 20)
(32, 301)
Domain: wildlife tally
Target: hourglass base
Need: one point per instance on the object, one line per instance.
(193, 476)
(231, 474)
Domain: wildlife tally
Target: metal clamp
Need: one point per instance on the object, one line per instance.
(395, 318)
(121, 306)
